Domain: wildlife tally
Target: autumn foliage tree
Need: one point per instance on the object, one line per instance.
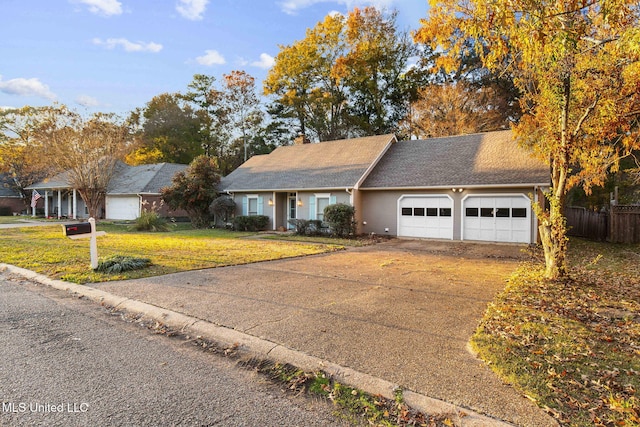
(577, 66)
(194, 189)
(87, 149)
(346, 77)
(20, 149)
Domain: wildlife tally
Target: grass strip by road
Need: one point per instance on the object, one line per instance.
(45, 250)
(573, 347)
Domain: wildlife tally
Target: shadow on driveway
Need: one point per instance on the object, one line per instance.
(403, 310)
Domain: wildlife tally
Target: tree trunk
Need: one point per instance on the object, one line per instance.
(553, 234)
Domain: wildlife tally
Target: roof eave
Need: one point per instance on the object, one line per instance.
(448, 187)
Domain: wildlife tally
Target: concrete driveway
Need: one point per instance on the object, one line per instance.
(402, 310)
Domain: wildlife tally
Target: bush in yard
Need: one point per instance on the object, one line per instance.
(150, 220)
(223, 208)
(194, 190)
(306, 227)
(341, 219)
(120, 263)
(250, 223)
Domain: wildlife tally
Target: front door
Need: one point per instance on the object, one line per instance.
(292, 209)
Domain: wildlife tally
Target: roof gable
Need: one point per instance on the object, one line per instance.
(143, 179)
(485, 159)
(325, 165)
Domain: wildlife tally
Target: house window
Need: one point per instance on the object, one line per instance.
(486, 212)
(519, 212)
(407, 211)
(252, 206)
(418, 211)
(432, 211)
(471, 212)
(445, 211)
(321, 203)
(502, 212)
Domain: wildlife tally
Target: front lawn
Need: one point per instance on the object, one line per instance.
(45, 250)
(573, 347)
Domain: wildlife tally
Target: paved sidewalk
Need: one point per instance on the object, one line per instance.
(398, 313)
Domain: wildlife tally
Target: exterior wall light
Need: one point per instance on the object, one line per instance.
(270, 202)
(299, 202)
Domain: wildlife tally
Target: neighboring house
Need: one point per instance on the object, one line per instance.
(132, 189)
(472, 187)
(10, 199)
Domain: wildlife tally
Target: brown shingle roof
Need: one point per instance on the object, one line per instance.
(486, 159)
(325, 165)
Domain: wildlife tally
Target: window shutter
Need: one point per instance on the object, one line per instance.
(260, 205)
(332, 200)
(245, 206)
(312, 207)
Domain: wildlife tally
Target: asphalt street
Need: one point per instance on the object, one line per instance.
(69, 362)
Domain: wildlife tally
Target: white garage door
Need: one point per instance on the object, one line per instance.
(425, 216)
(122, 207)
(497, 218)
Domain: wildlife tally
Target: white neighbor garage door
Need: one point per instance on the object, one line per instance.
(122, 207)
(425, 216)
(497, 218)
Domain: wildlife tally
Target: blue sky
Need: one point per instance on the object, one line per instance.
(115, 55)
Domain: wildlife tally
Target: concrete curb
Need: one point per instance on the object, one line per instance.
(265, 349)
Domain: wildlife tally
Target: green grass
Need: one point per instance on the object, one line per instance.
(46, 251)
(572, 346)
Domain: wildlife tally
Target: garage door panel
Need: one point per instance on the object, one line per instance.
(497, 218)
(122, 208)
(426, 217)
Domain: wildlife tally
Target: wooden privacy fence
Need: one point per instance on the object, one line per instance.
(625, 224)
(585, 223)
(620, 225)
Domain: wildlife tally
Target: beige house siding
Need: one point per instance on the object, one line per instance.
(380, 207)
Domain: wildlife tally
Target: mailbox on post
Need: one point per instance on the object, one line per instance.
(83, 230)
(75, 229)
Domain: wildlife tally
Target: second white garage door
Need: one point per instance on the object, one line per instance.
(497, 218)
(425, 216)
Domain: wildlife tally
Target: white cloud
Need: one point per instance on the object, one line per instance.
(211, 57)
(192, 9)
(128, 46)
(87, 101)
(292, 7)
(26, 87)
(266, 61)
(103, 7)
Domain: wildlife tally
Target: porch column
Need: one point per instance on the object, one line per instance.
(68, 206)
(46, 203)
(274, 207)
(59, 203)
(75, 204)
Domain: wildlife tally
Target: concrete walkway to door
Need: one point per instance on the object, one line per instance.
(402, 310)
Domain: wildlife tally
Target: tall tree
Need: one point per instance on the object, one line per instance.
(213, 111)
(305, 85)
(346, 77)
(244, 104)
(374, 70)
(87, 149)
(194, 190)
(20, 151)
(168, 131)
(577, 65)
